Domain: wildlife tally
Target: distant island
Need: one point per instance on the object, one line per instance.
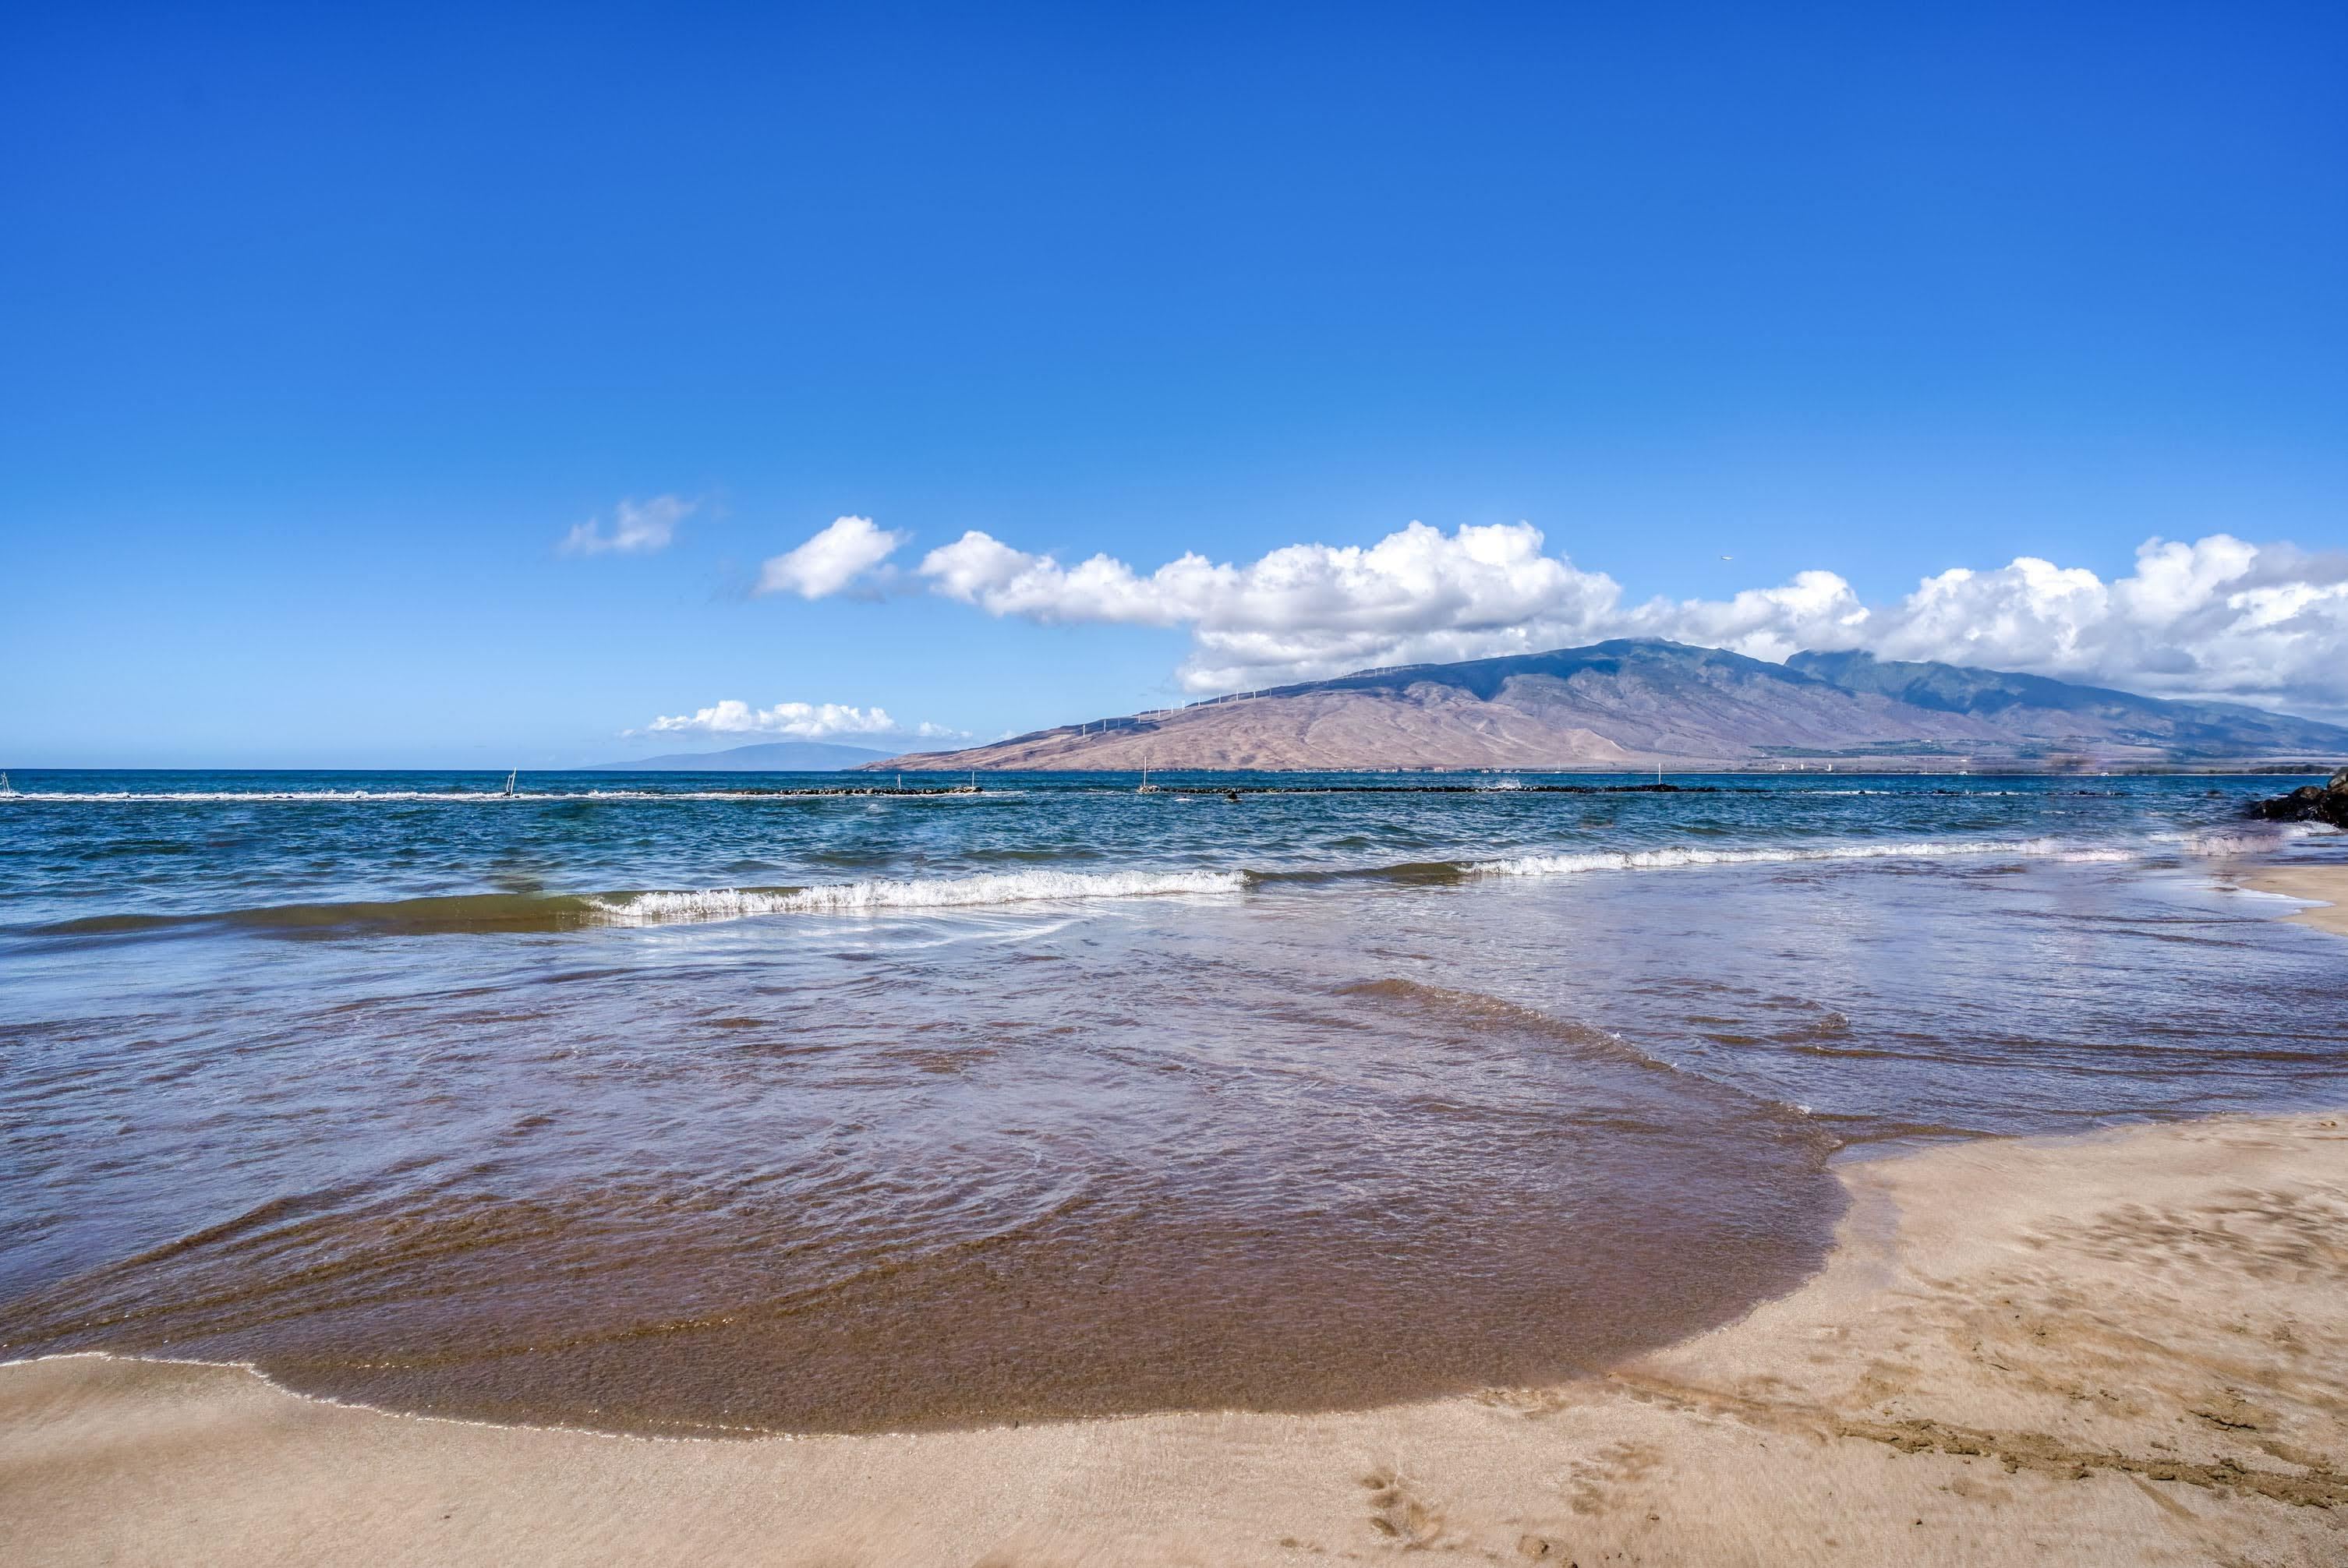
(1639, 703)
(766, 757)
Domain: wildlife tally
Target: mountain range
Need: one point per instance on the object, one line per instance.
(1638, 703)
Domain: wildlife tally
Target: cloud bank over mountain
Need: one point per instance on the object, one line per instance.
(798, 721)
(2216, 618)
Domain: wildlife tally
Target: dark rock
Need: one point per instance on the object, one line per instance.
(2326, 802)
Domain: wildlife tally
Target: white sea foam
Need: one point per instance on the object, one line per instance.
(1676, 856)
(922, 893)
(2250, 839)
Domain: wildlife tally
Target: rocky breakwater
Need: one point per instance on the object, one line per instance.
(2326, 802)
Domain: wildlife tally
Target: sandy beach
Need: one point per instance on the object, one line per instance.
(2123, 1348)
(2327, 885)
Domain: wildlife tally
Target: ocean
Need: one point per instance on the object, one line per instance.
(715, 1103)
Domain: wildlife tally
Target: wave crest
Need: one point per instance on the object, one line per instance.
(1673, 856)
(939, 893)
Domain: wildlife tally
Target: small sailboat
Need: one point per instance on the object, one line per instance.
(511, 779)
(970, 788)
(1146, 787)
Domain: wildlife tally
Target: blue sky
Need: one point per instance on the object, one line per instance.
(326, 327)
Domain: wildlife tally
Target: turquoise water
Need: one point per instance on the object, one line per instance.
(715, 1103)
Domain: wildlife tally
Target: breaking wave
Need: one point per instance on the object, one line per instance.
(924, 893)
(521, 912)
(542, 912)
(1672, 856)
(2251, 838)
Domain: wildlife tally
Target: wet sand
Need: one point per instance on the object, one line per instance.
(2328, 885)
(2128, 1348)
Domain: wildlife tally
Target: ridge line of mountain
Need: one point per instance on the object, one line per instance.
(1641, 702)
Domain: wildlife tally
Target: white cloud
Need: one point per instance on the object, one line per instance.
(797, 721)
(831, 560)
(2217, 617)
(1305, 609)
(637, 528)
(1817, 609)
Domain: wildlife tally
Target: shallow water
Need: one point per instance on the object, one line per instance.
(649, 1103)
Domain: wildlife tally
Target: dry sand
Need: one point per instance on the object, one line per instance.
(2328, 885)
(2130, 1349)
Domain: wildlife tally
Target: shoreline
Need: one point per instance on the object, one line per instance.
(2323, 889)
(2130, 1343)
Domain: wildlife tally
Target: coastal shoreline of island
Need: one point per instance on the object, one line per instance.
(2117, 1340)
(2323, 889)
